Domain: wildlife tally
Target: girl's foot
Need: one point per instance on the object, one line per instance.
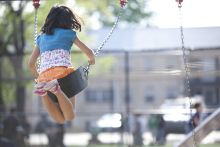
(40, 92)
(50, 85)
(55, 89)
(39, 89)
(40, 85)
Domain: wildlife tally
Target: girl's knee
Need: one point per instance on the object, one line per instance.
(60, 121)
(70, 117)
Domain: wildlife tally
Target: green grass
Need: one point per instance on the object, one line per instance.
(207, 145)
(211, 145)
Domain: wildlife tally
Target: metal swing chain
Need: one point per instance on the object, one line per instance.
(35, 37)
(108, 36)
(110, 33)
(187, 70)
(36, 4)
(35, 27)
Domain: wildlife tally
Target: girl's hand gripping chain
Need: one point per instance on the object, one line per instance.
(91, 60)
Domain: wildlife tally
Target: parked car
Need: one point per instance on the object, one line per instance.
(109, 122)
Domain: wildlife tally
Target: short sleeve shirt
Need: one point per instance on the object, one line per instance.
(60, 39)
(55, 48)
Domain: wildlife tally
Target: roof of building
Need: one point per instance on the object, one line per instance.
(156, 38)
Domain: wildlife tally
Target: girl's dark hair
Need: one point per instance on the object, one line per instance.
(197, 105)
(60, 17)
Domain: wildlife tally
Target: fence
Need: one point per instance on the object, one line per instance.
(121, 82)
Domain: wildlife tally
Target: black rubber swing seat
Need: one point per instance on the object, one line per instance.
(73, 83)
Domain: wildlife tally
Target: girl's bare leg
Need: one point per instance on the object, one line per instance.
(73, 101)
(53, 109)
(66, 105)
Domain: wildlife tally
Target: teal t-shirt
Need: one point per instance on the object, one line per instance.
(60, 39)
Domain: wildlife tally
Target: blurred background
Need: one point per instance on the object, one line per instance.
(137, 94)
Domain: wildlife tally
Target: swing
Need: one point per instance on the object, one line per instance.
(77, 81)
(186, 68)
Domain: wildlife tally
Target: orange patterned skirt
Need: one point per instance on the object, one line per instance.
(54, 73)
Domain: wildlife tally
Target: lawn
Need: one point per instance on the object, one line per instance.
(207, 145)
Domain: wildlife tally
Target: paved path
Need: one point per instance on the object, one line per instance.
(83, 138)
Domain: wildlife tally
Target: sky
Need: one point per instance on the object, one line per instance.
(195, 13)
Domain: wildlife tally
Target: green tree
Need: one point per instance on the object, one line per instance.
(106, 10)
(13, 28)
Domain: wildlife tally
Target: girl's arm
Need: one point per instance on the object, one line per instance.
(32, 62)
(89, 53)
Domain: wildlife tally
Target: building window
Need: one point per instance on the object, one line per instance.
(149, 95)
(210, 97)
(172, 93)
(171, 63)
(148, 64)
(218, 96)
(218, 63)
(208, 68)
(198, 92)
(99, 95)
(195, 64)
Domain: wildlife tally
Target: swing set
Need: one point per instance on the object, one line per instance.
(77, 81)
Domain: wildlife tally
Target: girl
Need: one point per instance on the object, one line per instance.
(53, 47)
(196, 118)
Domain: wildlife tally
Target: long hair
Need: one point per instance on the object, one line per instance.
(60, 17)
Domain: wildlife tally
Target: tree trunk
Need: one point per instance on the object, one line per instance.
(20, 85)
(20, 99)
(2, 104)
(17, 62)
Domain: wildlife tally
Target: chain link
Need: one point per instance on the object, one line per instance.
(35, 27)
(109, 35)
(187, 72)
(35, 37)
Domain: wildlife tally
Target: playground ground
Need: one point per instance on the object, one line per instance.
(207, 145)
(81, 139)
